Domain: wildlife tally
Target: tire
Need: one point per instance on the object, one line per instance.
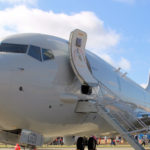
(80, 143)
(91, 144)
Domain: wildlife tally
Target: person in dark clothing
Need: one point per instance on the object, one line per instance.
(143, 142)
(113, 142)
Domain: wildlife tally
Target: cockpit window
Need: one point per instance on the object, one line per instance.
(35, 52)
(13, 48)
(47, 54)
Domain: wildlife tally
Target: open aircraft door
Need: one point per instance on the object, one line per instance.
(78, 59)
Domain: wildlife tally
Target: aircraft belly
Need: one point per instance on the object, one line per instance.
(77, 125)
(59, 120)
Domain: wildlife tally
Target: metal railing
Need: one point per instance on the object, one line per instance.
(137, 125)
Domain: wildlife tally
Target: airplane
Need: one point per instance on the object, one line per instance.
(52, 87)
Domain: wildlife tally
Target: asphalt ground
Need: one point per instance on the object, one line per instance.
(73, 147)
(99, 148)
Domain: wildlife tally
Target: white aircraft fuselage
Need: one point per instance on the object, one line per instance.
(42, 95)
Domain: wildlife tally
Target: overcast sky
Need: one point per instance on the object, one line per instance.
(118, 30)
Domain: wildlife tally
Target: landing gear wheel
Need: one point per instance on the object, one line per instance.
(91, 144)
(80, 143)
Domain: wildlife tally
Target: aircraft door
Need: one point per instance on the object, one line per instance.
(78, 60)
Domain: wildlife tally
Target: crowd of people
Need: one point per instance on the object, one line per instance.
(109, 140)
(143, 139)
(58, 141)
(100, 140)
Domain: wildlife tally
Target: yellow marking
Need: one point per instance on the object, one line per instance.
(81, 34)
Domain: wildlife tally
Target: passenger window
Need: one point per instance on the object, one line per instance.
(47, 54)
(35, 52)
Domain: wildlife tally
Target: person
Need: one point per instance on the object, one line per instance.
(105, 138)
(99, 141)
(114, 141)
(61, 140)
(56, 141)
(111, 141)
(136, 137)
(119, 139)
(94, 137)
(17, 147)
(143, 142)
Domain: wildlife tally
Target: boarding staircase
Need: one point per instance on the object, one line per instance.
(119, 122)
(133, 128)
(137, 126)
(118, 127)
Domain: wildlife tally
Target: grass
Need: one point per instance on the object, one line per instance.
(74, 146)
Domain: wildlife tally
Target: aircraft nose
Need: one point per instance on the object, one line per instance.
(5, 71)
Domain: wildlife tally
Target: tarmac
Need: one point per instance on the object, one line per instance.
(104, 148)
(101, 149)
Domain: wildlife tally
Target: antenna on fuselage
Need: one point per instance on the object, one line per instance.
(124, 74)
(118, 69)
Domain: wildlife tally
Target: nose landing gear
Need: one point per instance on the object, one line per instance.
(82, 142)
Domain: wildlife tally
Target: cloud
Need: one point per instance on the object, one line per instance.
(122, 63)
(22, 19)
(126, 1)
(32, 2)
(143, 85)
